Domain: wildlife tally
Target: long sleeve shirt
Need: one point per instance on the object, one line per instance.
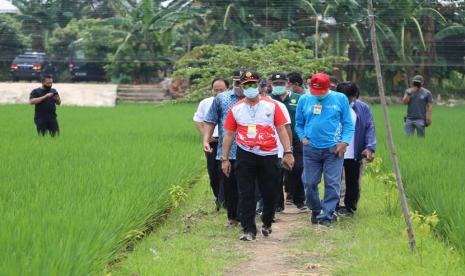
(324, 122)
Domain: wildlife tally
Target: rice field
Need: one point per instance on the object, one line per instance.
(432, 168)
(68, 206)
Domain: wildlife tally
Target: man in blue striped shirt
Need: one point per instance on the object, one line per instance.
(324, 125)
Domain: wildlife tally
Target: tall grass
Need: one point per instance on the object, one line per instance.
(69, 205)
(432, 168)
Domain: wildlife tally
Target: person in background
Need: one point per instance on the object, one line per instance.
(253, 122)
(216, 116)
(46, 99)
(324, 125)
(420, 108)
(295, 83)
(213, 167)
(293, 178)
(362, 146)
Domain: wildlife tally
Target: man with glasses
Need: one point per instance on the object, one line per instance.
(214, 171)
(216, 117)
(253, 123)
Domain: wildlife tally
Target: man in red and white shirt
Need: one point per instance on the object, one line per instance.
(254, 122)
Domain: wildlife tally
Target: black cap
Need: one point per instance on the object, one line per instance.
(249, 76)
(279, 76)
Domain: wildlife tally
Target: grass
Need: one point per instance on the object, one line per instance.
(432, 168)
(69, 206)
(193, 241)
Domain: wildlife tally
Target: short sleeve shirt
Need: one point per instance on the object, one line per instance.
(416, 109)
(47, 108)
(217, 116)
(201, 113)
(255, 125)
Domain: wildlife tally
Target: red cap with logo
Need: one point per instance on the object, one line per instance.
(319, 84)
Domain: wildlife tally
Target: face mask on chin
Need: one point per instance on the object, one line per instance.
(279, 90)
(322, 97)
(251, 92)
(238, 91)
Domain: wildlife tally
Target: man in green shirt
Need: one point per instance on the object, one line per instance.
(293, 178)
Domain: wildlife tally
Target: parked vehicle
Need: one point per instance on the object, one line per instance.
(31, 66)
(81, 68)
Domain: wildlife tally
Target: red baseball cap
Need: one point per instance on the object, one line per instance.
(319, 84)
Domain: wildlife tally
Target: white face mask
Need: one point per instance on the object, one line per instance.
(251, 92)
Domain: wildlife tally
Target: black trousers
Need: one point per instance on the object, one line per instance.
(252, 170)
(215, 173)
(352, 180)
(45, 125)
(231, 196)
(293, 179)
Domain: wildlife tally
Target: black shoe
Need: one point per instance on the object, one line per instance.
(259, 211)
(313, 219)
(266, 231)
(344, 212)
(247, 236)
(232, 223)
(326, 223)
(279, 209)
(301, 206)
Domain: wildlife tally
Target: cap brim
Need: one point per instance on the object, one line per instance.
(318, 92)
(246, 81)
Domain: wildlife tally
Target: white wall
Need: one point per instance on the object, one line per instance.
(70, 93)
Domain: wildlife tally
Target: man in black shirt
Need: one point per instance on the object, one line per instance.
(45, 99)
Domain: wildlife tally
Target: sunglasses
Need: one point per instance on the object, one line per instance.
(250, 85)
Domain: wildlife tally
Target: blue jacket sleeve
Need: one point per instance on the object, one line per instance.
(347, 125)
(370, 136)
(300, 118)
(213, 115)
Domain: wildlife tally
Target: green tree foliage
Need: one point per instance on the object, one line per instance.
(207, 62)
(12, 42)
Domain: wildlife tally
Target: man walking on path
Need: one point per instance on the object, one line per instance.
(254, 122)
(362, 146)
(214, 170)
(293, 178)
(420, 108)
(46, 99)
(216, 117)
(324, 125)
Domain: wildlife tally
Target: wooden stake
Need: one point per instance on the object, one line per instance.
(387, 124)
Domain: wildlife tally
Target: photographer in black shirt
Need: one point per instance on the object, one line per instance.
(45, 99)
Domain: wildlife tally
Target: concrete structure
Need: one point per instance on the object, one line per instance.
(71, 94)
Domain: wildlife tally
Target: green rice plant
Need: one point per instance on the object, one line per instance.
(71, 205)
(432, 167)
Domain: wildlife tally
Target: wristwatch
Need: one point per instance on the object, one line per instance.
(409, 94)
(287, 152)
(224, 158)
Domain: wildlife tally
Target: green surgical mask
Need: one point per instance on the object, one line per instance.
(279, 90)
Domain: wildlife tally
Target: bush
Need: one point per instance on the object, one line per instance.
(207, 62)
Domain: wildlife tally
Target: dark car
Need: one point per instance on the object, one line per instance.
(31, 66)
(82, 68)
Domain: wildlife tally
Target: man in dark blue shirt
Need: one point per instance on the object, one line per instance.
(45, 99)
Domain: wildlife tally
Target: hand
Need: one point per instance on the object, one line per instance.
(428, 122)
(305, 141)
(206, 148)
(288, 160)
(368, 154)
(49, 95)
(226, 167)
(340, 149)
(413, 89)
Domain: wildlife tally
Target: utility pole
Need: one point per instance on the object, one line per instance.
(387, 124)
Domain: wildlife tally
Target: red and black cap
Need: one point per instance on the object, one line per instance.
(319, 84)
(249, 76)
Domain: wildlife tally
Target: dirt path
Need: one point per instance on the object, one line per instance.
(278, 254)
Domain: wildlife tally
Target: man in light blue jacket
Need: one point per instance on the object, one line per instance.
(324, 125)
